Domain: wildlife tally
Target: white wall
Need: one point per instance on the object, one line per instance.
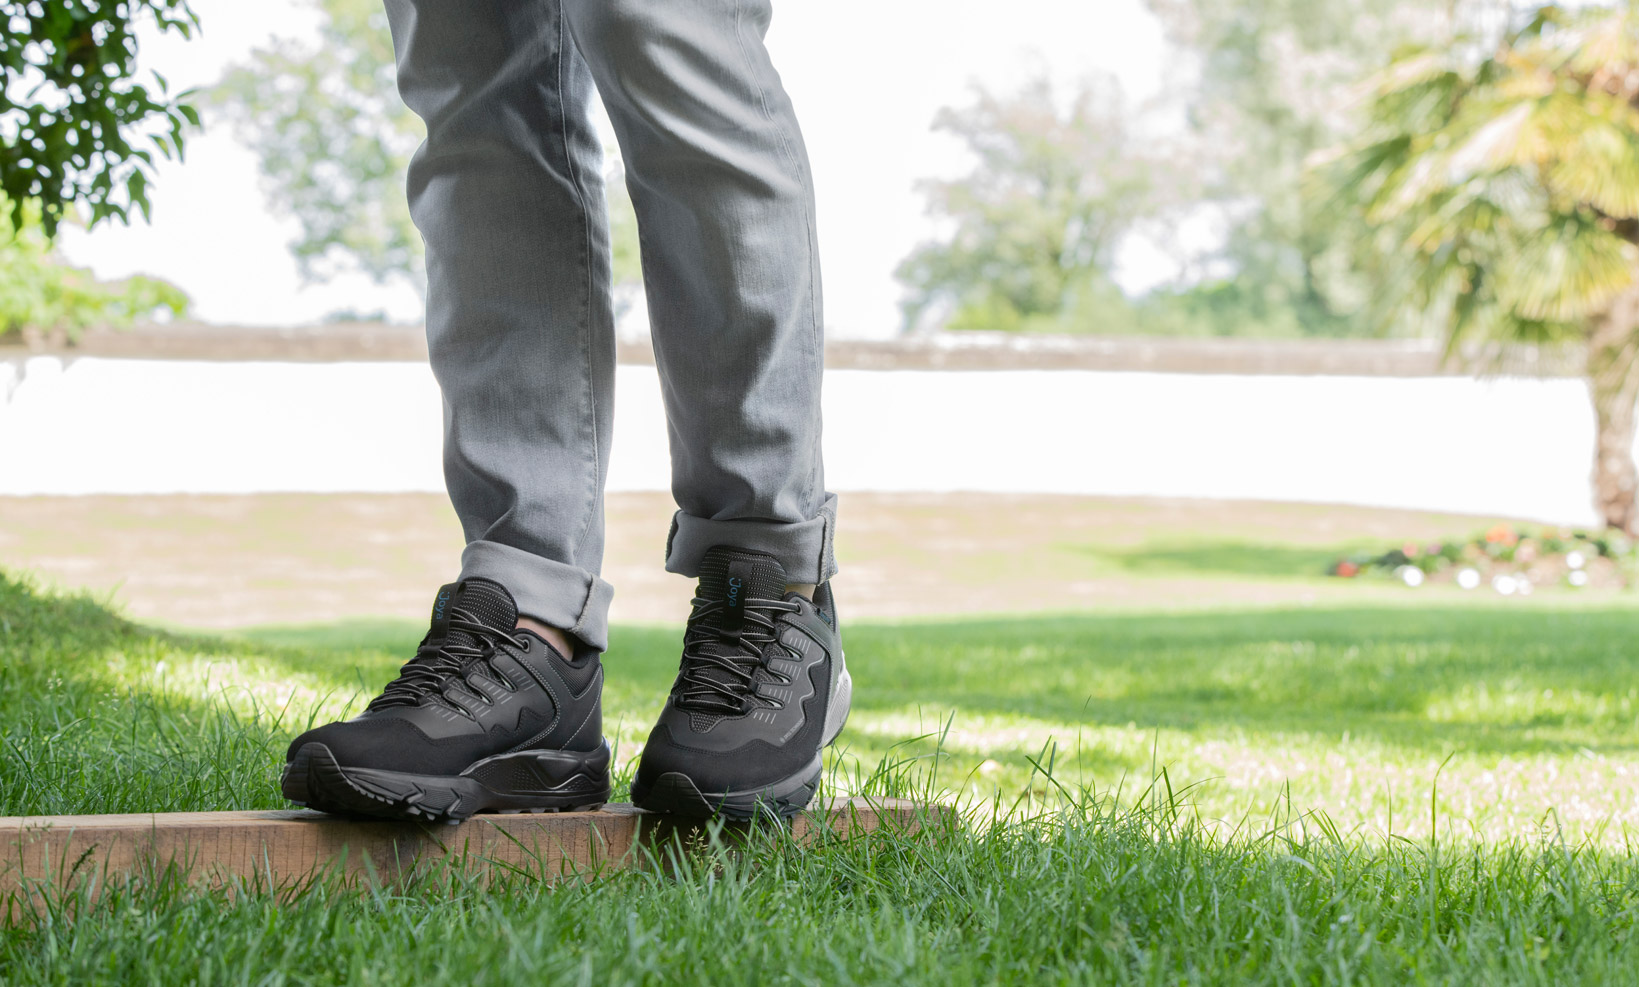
(1518, 447)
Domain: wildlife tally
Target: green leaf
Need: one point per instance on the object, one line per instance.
(80, 115)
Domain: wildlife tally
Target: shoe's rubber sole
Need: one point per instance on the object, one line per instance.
(522, 781)
(675, 793)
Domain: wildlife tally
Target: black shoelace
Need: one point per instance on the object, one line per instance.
(720, 666)
(437, 663)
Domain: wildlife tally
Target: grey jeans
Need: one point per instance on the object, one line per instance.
(508, 193)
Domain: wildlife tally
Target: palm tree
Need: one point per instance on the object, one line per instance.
(1503, 187)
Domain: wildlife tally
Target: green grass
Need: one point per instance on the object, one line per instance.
(1529, 713)
(1365, 794)
(1202, 556)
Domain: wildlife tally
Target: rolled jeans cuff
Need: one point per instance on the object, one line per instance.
(803, 548)
(559, 595)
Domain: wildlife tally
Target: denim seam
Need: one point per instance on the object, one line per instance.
(815, 339)
(825, 551)
(564, 43)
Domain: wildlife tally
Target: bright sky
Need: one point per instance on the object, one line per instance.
(867, 77)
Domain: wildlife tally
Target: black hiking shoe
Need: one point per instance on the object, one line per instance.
(762, 689)
(483, 718)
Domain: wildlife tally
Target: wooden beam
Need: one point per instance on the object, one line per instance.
(283, 848)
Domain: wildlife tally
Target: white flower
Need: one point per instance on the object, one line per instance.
(1504, 585)
(1468, 578)
(1578, 578)
(1575, 560)
(1410, 575)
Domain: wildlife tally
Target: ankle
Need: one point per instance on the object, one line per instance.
(804, 590)
(559, 640)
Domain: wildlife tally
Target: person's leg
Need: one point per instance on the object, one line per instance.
(508, 194)
(725, 211)
(720, 181)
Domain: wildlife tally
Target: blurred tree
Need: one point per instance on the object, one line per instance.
(1269, 83)
(73, 124)
(1036, 221)
(1506, 186)
(334, 140)
(43, 297)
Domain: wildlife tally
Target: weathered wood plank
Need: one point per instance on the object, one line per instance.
(283, 848)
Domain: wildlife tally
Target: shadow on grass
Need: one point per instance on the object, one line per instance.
(93, 718)
(1221, 558)
(90, 725)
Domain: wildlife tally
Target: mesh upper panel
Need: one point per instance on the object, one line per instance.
(487, 602)
(701, 722)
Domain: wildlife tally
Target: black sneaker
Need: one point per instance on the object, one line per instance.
(484, 717)
(762, 689)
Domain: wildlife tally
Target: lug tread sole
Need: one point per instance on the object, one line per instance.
(315, 779)
(674, 793)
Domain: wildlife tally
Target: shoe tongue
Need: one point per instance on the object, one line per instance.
(732, 576)
(475, 598)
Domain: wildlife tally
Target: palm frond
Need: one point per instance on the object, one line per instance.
(1506, 188)
(1601, 167)
(1572, 270)
(1601, 43)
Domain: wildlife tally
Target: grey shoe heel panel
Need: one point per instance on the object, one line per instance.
(836, 711)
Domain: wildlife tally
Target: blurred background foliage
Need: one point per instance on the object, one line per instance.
(334, 141)
(1269, 84)
(77, 127)
(80, 129)
(43, 296)
(1059, 179)
(1502, 190)
(1462, 172)
(1034, 226)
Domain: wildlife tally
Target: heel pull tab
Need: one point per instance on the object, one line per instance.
(736, 588)
(443, 603)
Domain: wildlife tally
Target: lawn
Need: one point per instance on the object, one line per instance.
(1392, 789)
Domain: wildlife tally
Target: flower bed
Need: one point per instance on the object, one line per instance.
(1509, 559)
